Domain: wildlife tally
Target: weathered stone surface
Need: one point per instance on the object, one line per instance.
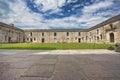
(21, 64)
(12, 74)
(69, 75)
(59, 65)
(105, 32)
(32, 78)
(46, 61)
(43, 71)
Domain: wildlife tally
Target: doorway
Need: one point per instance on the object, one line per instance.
(43, 40)
(112, 38)
(31, 40)
(79, 40)
(9, 39)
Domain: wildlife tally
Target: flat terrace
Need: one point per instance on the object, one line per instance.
(59, 65)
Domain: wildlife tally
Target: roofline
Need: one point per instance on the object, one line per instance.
(108, 21)
(9, 26)
(55, 30)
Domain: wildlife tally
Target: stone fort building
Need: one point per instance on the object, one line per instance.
(9, 34)
(105, 32)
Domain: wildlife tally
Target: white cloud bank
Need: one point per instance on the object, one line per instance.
(97, 6)
(21, 16)
(49, 4)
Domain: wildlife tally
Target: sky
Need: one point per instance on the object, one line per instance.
(57, 14)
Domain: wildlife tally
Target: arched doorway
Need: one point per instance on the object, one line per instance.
(31, 40)
(112, 38)
(43, 40)
(97, 39)
(9, 39)
(79, 40)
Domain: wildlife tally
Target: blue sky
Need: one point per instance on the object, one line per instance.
(57, 14)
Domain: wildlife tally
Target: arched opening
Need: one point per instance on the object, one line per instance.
(112, 37)
(43, 40)
(9, 39)
(97, 39)
(79, 40)
(31, 40)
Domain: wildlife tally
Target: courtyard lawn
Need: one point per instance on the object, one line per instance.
(55, 46)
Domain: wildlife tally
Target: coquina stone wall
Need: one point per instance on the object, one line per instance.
(105, 32)
(10, 34)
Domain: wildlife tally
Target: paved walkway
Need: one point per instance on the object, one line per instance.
(59, 65)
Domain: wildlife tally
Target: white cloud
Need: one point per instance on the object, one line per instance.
(69, 22)
(50, 4)
(96, 6)
(91, 20)
(61, 2)
(61, 23)
(21, 16)
(71, 1)
(47, 4)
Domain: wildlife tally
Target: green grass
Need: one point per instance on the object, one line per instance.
(55, 46)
